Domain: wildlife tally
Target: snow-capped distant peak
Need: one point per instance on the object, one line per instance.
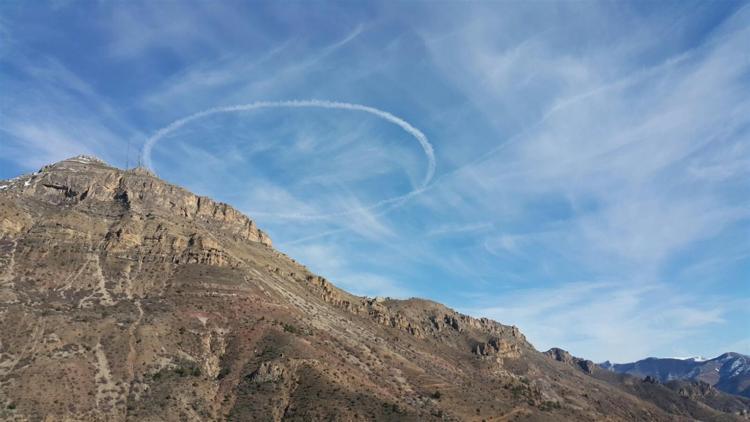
(692, 358)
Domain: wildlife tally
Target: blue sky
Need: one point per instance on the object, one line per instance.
(592, 159)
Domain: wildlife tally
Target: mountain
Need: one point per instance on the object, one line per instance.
(123, 297)
(729, 372)
(690, 397)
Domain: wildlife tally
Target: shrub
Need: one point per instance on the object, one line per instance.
(549, 405)
(223, 373)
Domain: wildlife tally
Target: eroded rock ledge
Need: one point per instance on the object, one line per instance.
(492, 339)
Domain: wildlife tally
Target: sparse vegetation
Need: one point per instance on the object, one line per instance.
(289, 328)
(223, 373)
(189, 370)
(549, 405)
(518, 390)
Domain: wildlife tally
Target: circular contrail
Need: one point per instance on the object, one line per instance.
(403, 124)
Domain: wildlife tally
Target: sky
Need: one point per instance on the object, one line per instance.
(578, 169)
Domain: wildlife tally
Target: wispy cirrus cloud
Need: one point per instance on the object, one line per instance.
(332, 261)
(615, 322)
(590, 158)
(51, 114)
(599, 178)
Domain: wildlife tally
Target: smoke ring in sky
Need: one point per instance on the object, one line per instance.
(403, 124)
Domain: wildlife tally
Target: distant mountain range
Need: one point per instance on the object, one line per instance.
(729, 372)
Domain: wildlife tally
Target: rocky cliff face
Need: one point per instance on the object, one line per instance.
(563, 356)
(123, 297)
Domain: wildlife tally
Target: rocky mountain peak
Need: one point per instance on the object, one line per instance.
(90, 183)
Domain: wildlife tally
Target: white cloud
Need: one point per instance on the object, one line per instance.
(329, 260)
(56, 115)
(605, 320)
(619, 173)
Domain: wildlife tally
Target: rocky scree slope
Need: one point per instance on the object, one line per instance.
(123, 297)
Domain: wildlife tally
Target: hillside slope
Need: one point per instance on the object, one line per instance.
(123, 297)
